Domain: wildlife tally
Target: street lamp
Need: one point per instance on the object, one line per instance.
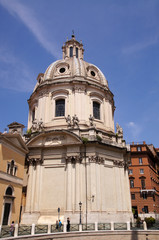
(80, 205)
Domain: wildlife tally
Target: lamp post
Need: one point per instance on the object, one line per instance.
(80, 205)
(58, 213)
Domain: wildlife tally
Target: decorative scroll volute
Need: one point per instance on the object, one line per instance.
(34, 161)
(96, 159)
(73, 159)
(119, 163)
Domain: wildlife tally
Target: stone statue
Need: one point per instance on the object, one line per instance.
(68, 120)
(75, 120)
(37, 126)
(119, 130)
(34, 127)
(91, 119)
(40, 125)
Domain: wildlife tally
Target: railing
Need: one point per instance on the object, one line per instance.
(5, 232)
(88, 227)
(24, 230)
(74, 227)
(136, 226)
(120, 226)
(56, 228)
(33, 229)
(154, 226)
(104, 226)
(40, 229)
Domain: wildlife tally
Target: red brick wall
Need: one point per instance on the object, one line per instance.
(150, 175)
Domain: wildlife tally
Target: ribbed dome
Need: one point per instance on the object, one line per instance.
(72, 67)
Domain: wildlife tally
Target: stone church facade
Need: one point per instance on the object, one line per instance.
(75, 155)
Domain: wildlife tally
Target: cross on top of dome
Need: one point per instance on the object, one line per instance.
(72, 48)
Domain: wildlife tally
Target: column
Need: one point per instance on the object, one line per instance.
(118, 188)
(37, 183)
(69, 190)
(77, 187)
(98, 186)
(93, 185)
(29, 187)
(33, 187)
(73, 187)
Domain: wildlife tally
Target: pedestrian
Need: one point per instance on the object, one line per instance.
(12, 229)
(60, 224)
(68, 224)
(57, 224)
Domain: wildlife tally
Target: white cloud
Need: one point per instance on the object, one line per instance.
(139, 46)
(134, 129)
(15, 74)
(27, 16)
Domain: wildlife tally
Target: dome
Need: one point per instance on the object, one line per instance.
(72, 67)
(72, 89)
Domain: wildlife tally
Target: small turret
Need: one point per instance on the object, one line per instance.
(16, 128)
(72, 48)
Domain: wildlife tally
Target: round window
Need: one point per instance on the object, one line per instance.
(62, 70)
(93, 73)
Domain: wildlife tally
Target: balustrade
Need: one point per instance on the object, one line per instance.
(21, 230)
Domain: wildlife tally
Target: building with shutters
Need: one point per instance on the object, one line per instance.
(144, 180)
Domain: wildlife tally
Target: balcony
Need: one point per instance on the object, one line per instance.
(147, 191)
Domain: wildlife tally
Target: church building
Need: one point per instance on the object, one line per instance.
(76, 159)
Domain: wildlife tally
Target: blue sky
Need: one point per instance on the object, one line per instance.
(120, 37)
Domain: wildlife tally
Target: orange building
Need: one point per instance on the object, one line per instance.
(12, 159)
(144, 180)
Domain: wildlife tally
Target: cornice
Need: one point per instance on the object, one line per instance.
(11, 179)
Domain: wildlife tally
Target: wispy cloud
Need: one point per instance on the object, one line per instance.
(134, 129)
(140, 46)
(27, 16)
(15, 74)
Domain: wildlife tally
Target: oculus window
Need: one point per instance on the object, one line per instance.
(96, 110)
(62, 70)
(60, 108)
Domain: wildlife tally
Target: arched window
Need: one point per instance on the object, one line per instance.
(76, 52)
(71, 51)
(60, 108)
(9, 191)
(12, 167)
(96, 110)
(33, 114)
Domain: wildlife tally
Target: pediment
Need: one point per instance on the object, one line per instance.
(15, 140)
(55, 138)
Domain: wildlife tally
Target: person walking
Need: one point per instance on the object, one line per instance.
(12, 229)
(57, 225)
(60, 224)
(68, 224)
